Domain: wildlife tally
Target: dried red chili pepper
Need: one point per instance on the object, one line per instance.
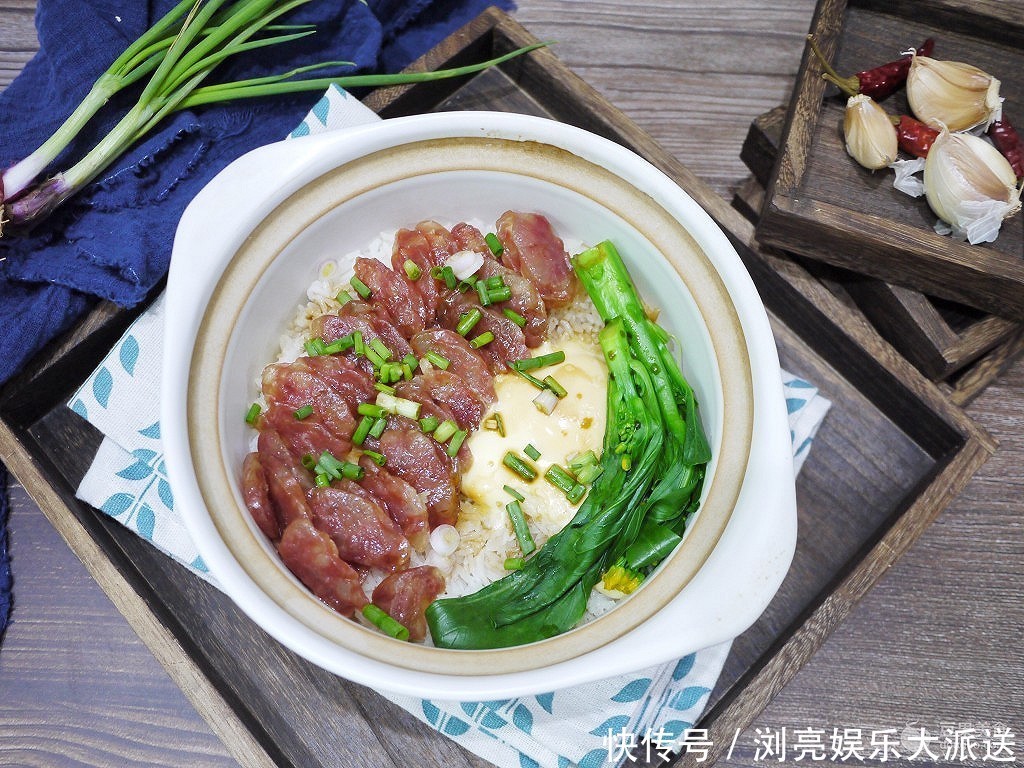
(913, 137)
(1007, 141)
(877, 82)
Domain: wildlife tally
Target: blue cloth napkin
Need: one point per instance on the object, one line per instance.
(113, 240)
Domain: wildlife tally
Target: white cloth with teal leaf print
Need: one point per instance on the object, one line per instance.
(589, 726)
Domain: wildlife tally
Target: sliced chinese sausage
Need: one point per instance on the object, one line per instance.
(405, 596)
(464, 361)
(526, 300)
(447, 390)
(359, 527)
(469, 238)
(509, 341)
(427, 245)
(372, 325)
(391, 292)
(532, 249)
(257, 496)
(287, 482)
(348, 376)
(313, 558)
(403, 504)
(294, 385)
(304, 436)
(420, 461)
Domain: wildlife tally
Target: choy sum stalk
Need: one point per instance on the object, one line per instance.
(653, 460)
(178, 54)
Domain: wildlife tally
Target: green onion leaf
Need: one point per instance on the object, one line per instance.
(343, 297)
(456, 442)
(384, 622)
(502, 293)
(378, 346)
(412, 269)
(531, 451)
(429, 423)
(520, 527)
(322, 480)
(448, 275)
(520, 466)
(357, 343)
(514, 316)
(514, 493)
(482, 340)
(252, 414)
(304, 412)
(494, 243)
(482, 294)
(529, 363)
(379, 425)
(362, 430)
(467, 320)
(559, 478)
(360, 287)
(494, 281)
(377, 458)
(382, 387)
(445, 430)
(309, 461)
(554, 386)
(436, 360)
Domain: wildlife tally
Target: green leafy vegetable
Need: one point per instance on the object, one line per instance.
(652, 469)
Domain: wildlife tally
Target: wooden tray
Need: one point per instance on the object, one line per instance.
(964, 347)
(890, 456)
(824, 206)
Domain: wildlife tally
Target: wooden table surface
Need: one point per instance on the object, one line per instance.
(938, 642)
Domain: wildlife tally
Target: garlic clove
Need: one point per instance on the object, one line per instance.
(970, 186)
(870, 135)
(957, 95)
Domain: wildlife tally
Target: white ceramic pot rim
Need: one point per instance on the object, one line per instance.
(267, 177)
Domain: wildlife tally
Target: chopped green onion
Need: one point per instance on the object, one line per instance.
(410, 360)
(384, 622)
(465, 286)
(323, 480)
(309, 461)
(514, 563)
(514, 493)
(357, 342)
(445, 430)
(435, 272)
(398, 405)
(554, 386)
(456, 442)
(502, 293)
(520, 466)
(559, 478)
(576, 494)
(379, 425)
(522, 530)
(436, 360)
(529, 363)
(482, 294)
(483, 339)
(406, 372)
(332, 467)
(467, 320)
(531, 451)
(494, 243)
(586, 458)
(514, 316)
(339, 345)
(545, 401)
(377, 458)
(252, 414)
(382, 387)
(315, 347)
(373, 410)
(352, 471)
(343, 297)
(500, 421)
(360, 287)
(429, 423)
(378, 346)
(589, 473)
(448, 275)
(362, 430)
(374, 357)
(412, 269)
(304, 412)
(494, 281)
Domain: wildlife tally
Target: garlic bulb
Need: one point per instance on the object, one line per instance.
(957, 95)
(970, 186)
(870, 135)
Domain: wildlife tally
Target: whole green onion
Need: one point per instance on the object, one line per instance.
(178, 54)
